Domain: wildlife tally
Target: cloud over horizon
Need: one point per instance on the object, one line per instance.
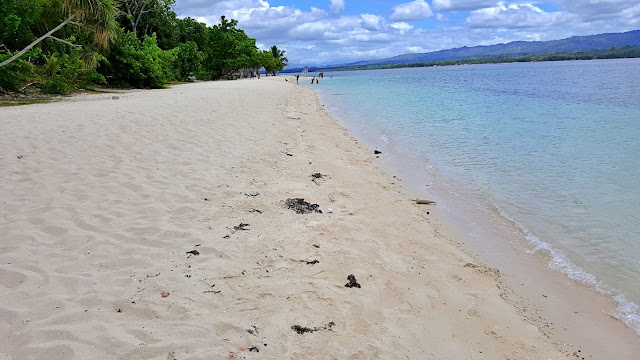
(339, 31)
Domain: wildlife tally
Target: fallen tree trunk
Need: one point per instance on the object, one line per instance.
(30, 46)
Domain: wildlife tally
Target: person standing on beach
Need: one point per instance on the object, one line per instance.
(313, 79)
(297, 78)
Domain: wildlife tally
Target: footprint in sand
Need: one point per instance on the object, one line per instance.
(11, 279)
(54, 230)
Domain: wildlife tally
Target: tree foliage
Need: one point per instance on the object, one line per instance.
(14, 74)
(18, 22)
(145, 17)
(281, 60)
(136, 63)
(93, 16)
(62, 45)
(187, 60)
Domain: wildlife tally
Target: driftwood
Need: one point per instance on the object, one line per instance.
(26, 86)
(424, 202)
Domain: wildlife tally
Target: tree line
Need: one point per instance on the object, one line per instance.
(616, 52)
(60, 46)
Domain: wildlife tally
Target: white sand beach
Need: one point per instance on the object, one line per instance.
(154, 226)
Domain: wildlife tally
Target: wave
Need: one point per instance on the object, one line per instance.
(627, 311)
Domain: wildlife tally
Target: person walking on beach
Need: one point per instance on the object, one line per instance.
(313, 79)
(297, 78)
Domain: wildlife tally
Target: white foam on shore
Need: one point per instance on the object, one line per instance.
(627, 311)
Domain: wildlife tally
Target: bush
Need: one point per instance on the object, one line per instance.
(187, 59)
(15, 74)
(56, 85)
(61, 73)
(92, 77)
(71, 68)
(138, 64)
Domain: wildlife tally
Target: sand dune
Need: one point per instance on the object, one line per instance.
(101, 200)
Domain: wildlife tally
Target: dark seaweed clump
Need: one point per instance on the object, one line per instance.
(352, 282)
(242, 226)
(303, 329)
(302, 207)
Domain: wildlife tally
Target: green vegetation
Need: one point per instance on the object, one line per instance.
(62, 46)
(281, 60)
(615, 52)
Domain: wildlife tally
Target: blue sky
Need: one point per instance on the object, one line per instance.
(339, 31)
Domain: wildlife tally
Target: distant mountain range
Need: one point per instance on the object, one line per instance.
(572, 44)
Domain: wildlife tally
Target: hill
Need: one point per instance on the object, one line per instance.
(516, 48)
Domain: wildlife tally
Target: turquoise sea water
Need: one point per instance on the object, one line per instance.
(552, 149)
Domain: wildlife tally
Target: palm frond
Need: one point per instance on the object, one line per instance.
(96, 15)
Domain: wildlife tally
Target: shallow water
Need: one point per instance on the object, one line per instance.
(547, 151)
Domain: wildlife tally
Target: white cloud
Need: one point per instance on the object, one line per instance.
(311, 30)
(373, 22)
(515, 16)
(219, 5)
(337, 6)
(202, 19)
(401, 26)
(455, 5)
(598, 9)
(413, 11)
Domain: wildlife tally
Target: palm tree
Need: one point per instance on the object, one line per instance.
(97, 16)
(279, 55)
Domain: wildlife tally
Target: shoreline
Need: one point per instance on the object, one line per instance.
(566, 317)
(108, 201)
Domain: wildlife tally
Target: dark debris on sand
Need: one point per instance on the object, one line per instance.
(302, 207)
(254, 330)
(242, 226)
(303, 329)
(352, 282)
(317, 176)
